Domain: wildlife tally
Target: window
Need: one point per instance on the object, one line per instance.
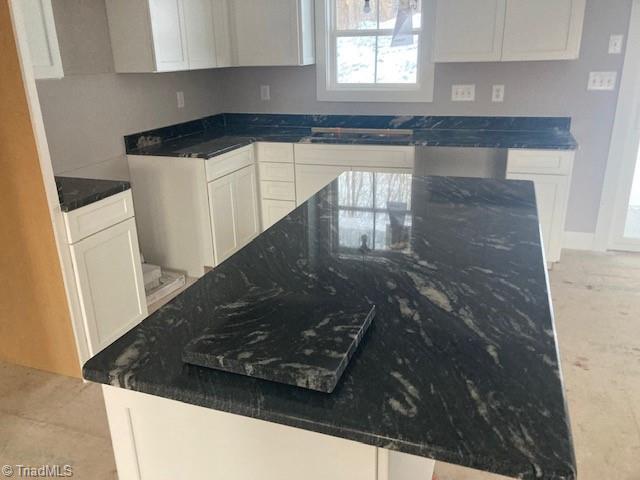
(373, 50)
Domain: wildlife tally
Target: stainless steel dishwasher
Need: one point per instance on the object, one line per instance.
(461, 162)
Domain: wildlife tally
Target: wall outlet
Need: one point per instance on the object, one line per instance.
(497, 94)
(265, 93)
(463, 93)
(602, 81)
(180, 99)
(615, 44)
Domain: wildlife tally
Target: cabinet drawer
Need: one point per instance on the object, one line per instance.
(277, 172)
(274, 152)
(222, 165)
(355, 155)
(97, 216)
(278, 190)
(550, 162)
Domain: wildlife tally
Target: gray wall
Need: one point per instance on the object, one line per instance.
(532, 88)
(87, 112)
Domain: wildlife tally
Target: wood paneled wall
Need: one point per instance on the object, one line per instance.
(35, 327)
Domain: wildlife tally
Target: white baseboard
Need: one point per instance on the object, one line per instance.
(579, 241)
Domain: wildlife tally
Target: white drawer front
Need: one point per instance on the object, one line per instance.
(551, 162)
(97, 216)
(355, 155)
(276, 172)
(278, 190)
(222, 165)
(274, 152)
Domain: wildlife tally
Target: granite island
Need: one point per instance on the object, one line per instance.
(460, 363)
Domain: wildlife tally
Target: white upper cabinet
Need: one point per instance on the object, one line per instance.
(274, 32)
(543, 29)
(201, 43)
(41, 37)
(469, 30)
(169, 34)
(507, 30)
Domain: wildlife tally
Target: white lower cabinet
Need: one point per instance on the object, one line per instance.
(310, 179)
(275, 210)
(233, 203)
(550, 172)
(197, 442)
(108, 276)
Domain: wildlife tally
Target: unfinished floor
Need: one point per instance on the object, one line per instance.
(48, 419)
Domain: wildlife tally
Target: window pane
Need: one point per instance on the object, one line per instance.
(356, 190)
(397, 64)
(390, 10)
(393, 191)
(356, 58)
(351, 15)
(393, 230)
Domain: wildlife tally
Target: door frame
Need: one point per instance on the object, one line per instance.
(623, 150)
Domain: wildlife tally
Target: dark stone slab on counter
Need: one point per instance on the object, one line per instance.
(74, 192)
(461, 363)
(303, 340)
(218, 134)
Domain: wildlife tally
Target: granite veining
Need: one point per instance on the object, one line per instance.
(74, 192)
(215, 135)
(303, 340)
(461, 362)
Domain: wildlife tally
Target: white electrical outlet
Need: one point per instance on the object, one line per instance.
(180, 99)
(615, 44)
(265, 92)
(602, 81)
(497, 95)
(463, 93)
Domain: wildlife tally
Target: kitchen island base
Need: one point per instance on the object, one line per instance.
(155, 438)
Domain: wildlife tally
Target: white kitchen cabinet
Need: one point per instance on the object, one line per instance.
(507, 30)
(42, 39)
(194, 213)
(165, 35)
(201, 40)
(469, 30)
(277, 32)
(550, 172)
(275, 210)
(107, 268)
(543, 29)
(310, 179)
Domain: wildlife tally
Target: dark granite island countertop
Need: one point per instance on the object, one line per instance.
(461, 362)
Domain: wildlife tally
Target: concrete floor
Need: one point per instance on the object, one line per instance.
(48, 419)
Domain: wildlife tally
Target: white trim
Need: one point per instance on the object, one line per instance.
(422, 92)
(37, 122)
(623, 149)
(578, 241)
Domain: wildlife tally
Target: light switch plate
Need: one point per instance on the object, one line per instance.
(497, 95)
(615, 44)
(463, 93)
(602, 81)
(180, 99)
(265, 92)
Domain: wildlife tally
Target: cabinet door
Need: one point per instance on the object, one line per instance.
(543, 29)
(264, 33)
(552, 192)
(169, 35)
(310, 179)
(222, 210)
(201, 48)
(42, 38)
(245, 196)
(469, 30)
(221, 32)
(108, 273)
(274, 210)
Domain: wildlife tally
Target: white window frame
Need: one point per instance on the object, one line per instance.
(326, 57)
